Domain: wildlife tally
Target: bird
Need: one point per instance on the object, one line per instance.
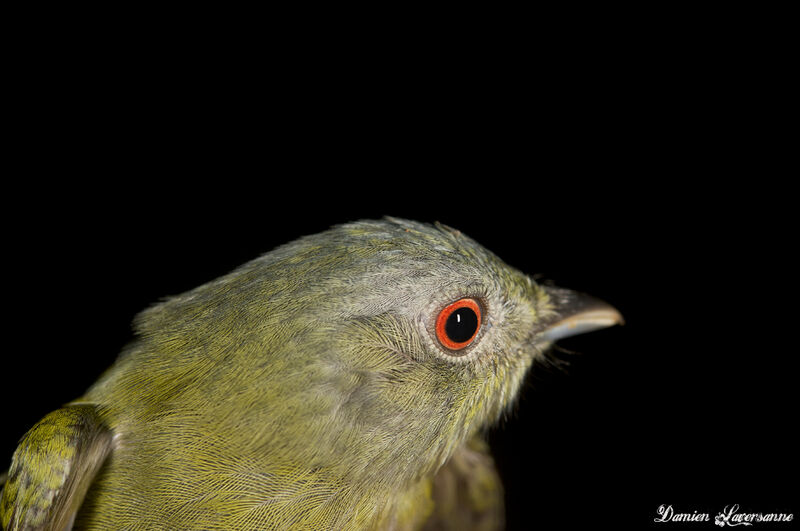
(344, 380)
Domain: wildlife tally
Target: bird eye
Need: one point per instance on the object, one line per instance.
(458, 324)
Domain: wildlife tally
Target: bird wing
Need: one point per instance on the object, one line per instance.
(467, 492)
(52, 469)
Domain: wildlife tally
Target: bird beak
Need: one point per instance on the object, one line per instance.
(577, 313)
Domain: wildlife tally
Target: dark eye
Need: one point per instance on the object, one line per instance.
(458, 323)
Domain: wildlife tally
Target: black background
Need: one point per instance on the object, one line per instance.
(644, 173)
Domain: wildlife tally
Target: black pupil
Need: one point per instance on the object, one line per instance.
(461, 325)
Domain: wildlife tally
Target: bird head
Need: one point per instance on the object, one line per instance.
(372, 350)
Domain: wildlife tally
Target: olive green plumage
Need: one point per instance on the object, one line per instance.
(304, 390)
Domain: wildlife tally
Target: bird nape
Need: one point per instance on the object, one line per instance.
(341, 381)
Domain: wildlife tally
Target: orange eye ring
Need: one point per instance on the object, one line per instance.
(458, 323)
